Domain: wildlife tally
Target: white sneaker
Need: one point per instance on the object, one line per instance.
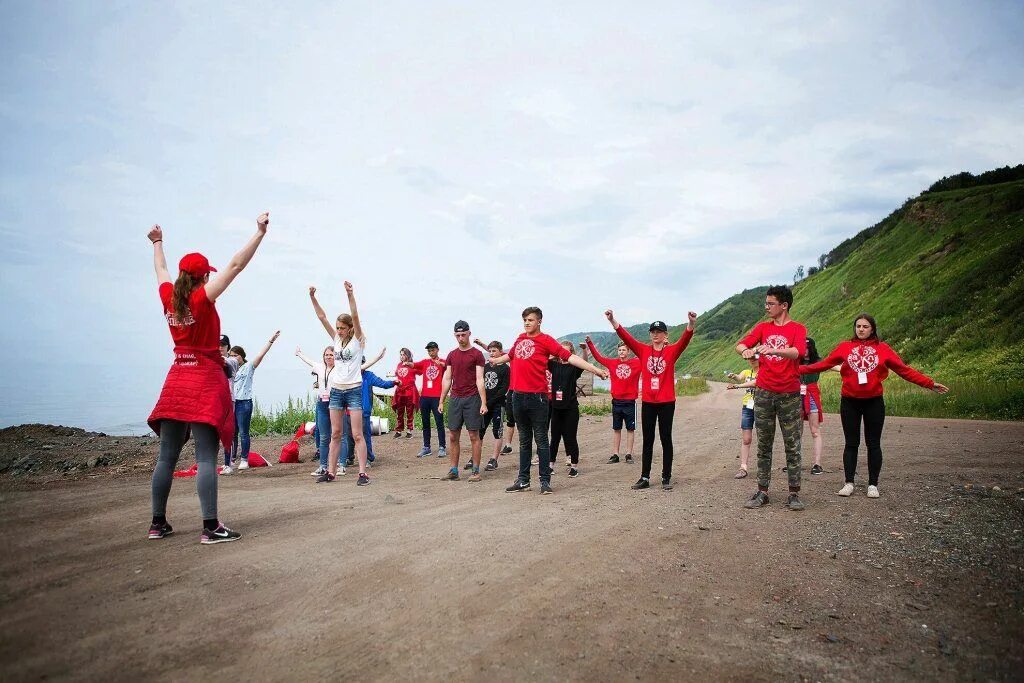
(846, 491)
(226, 469)
(872, 492)
(243, 465)
(318, 471)
(341, 471)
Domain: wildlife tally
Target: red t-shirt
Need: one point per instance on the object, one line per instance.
(624, 374)
(463, 365)
(778, 374)
(406, 378)
(431, 371)
(529, 362)
(866, 364)
(658, 368)
(201, 327)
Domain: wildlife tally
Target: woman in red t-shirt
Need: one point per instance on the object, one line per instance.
(195, 398)
(866, 361)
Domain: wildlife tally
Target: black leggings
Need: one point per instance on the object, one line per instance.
(662, 413)
(872, 411)
(565, 423)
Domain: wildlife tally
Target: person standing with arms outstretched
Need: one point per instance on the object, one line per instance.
(529, 356)
(195, 396)
(658, 400)
(346, 383)
(322, 371)
(242, 391)
(431, 369)
(496, 379)
(779, 343)
(464, 377)
(625, 376)
(406, 397)
(866, 362)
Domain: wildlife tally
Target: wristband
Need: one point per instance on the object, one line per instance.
(155, 241)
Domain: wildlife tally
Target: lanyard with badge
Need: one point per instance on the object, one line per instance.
(659, 363)
(325, 390)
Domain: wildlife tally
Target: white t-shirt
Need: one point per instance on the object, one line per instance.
(348, 361)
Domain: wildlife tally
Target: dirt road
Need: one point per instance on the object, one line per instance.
(413, 578)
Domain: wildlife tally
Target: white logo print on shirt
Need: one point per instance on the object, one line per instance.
(432, 373)
(775, 342)
(655, 365)
(402, 372)
(490, 380)
(524, 349)
(623, 372)
(863, 358)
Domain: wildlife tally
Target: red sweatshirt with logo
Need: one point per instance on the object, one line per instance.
(432, 371)
(865, 365)
(529, 362)
(624, 374)
(658, 368)
(776, 373)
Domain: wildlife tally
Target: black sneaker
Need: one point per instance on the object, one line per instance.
(325, 478)
(506, 449)
(408, 435)
(629, 457)
(794, 503)
(759, 499)
(520, 485)
(468, 465)
(573, 472)
(398, 435)
(641, 483)
(784, 468)
(614, 459)
(221, 534)
(817, 469)
(351, 462)
(452, 475)
(666, 483)
(363, 480)
(545, 489)
(158, 531)
(492, 465)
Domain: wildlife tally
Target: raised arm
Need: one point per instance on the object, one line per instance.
(156, 236)
(304, 358)
(578, 362)
(259, 356)
(239, 261)
(480, 343)
(687, 335)
(503, 358)
(370, 363)
(357, 329)
(634, 346)
(320, 315)
(597, 354)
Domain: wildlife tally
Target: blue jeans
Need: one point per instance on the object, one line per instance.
(322, 433)
(348, 444)
(532, 412)
(430, 405)
(243, 416)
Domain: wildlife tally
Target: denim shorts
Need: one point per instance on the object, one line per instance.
(346, 398)
(746, 418)
(814, 406)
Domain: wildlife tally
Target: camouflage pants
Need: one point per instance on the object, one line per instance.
(769, 405)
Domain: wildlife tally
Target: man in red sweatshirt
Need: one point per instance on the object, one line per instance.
(432, 370)
(625, 376)
(779, 343)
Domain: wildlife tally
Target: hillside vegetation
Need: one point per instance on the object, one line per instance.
(944, 277)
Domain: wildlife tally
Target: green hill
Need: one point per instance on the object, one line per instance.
(944, 277)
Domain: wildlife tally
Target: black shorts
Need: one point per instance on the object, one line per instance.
(623, 411)
(493, 418)
(510, 419)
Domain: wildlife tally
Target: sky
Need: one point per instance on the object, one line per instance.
(454, 160)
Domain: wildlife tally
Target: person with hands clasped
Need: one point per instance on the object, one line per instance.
(529, 356)
(346, 383)
(241, 384)
(779, 343)
(195, 397)
(431, 369)
(747, 380)
(866, 361)
(625, 376)
(658, 400)
(464, 378)
(406, 398)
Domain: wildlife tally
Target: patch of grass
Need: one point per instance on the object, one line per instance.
(286, 419)
(602, 407)
(695, 386)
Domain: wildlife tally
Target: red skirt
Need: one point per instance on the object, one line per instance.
(812, 390)
(196, 390)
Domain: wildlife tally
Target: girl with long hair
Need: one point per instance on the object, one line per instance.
(241, 383)
(323, 372)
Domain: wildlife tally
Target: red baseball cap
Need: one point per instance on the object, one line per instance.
(195, 264)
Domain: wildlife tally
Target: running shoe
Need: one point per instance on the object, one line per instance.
(641, 483)
(506, 449)
(318, 471)
(568, 463)
(846, 491)
(398, 435)
(221, 534)
(666, 483)
(492, 465)
(629, 457)
(226, 469)
(325, 478)
(242, 465)
(452, 475)
(518, 486)
(794, 503)
(158, 531)
(474, 477)
(614, 459)
(370, 458)
(442, 452)
(817, 469)
(573, 472)
(350, 462)
(759, 499)
(408, 435)
(424, 452)
(341, 471)
(873, 491)
(363, 480)
(545, 489)
(468, 465)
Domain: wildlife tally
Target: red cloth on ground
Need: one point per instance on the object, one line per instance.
(257, 460)
(289, 452)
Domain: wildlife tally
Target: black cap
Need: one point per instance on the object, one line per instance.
(659, 326)
(431, 345)
(224, 341)
(462, 326)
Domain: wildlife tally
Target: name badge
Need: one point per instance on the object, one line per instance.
(558, 395)
(803, 389)
(655, 383)
(430, 384)
(749, 403)
(325, 395)
(862, 378)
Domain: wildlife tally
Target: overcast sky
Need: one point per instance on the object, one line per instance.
(463, 160)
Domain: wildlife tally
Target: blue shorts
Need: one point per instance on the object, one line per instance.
(746, 418)
(623, 411)
(346, 398)
(814, 406)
